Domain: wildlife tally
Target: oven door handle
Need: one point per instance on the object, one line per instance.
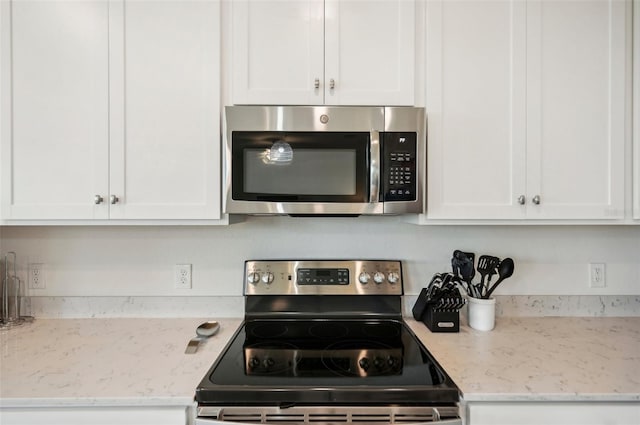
(374, 169)
(210, 421)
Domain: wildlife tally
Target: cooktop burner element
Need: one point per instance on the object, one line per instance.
(325, 344)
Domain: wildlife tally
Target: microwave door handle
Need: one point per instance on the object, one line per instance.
(374, 170)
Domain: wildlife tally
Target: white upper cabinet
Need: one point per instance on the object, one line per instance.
(278, 49)
(576, 108)
(165, 111)
(476, 108)
(314, 52)
(526, 109)
(113, 110)
(55, 117)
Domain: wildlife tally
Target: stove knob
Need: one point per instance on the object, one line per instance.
(267, 278)
(378, 278)
(268, 363)
(253, 278)
(393, 277)
(379, 363)
(364, 278)
(254, 362)
(364, 363)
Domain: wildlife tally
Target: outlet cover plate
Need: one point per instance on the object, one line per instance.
(36, 276)
(597, 275)
(182, 276)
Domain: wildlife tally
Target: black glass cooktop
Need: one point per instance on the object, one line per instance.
(316, 361)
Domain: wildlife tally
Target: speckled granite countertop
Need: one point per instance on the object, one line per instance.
(129, 362)
(123, 362)
(542, 359)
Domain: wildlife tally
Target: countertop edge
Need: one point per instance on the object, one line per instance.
(124, 402)
(551, 398)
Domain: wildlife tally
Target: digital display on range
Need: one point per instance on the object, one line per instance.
(322, 277)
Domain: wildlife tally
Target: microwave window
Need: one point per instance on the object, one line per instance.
(310, 172)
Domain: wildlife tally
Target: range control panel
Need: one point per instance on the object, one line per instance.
(323, 277)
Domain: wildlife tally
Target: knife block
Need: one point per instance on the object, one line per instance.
(442, 321)
(435, 319)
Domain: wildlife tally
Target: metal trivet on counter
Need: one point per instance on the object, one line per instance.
(10, 296)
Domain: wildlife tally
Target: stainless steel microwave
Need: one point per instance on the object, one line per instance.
(314, 160)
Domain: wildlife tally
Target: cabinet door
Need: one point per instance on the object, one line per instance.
(475, 97)
(95, 415)
(278, 48)
(576, 68)
(553, 413)
(54, 109)
(369, 52)
(165, 137)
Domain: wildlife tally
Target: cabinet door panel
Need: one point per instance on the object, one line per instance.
(165, 110)
(55, 134)
(576, 108)
(278, 48)
(475, 108)
(370, 52)
(553, 413)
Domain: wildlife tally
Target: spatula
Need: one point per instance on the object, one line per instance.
(487, 265)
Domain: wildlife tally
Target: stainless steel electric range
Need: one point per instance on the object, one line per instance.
(323, 342)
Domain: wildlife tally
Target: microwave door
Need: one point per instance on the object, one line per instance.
(302, 173)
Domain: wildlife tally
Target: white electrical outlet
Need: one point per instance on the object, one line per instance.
(597, 275)
(36, 276)
(182, 276)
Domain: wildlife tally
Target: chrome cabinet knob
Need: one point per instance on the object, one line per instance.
(536, 200)
(332, 84)
(98, 199)
(114, 199)
(316, 83)
(522, 200)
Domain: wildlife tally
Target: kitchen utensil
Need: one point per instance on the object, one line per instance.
(463, 262)
(505, 270)
(204, 331)
(486, 267)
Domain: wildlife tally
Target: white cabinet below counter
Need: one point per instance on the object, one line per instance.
(314, 52)
(110, 110)
(553, 413)
(527, 106)
(158, 415)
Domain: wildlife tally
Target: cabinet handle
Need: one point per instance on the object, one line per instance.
(316, 83)
(98, 199)
(113, 199)
(536, 200)
(522, 200)
(332, 84)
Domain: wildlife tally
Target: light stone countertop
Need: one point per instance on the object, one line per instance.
(542, 359)
(106, 362)
(141, 362)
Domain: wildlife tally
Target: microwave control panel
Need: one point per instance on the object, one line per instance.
(399, 166)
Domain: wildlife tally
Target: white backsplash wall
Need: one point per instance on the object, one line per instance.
(138, 261)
